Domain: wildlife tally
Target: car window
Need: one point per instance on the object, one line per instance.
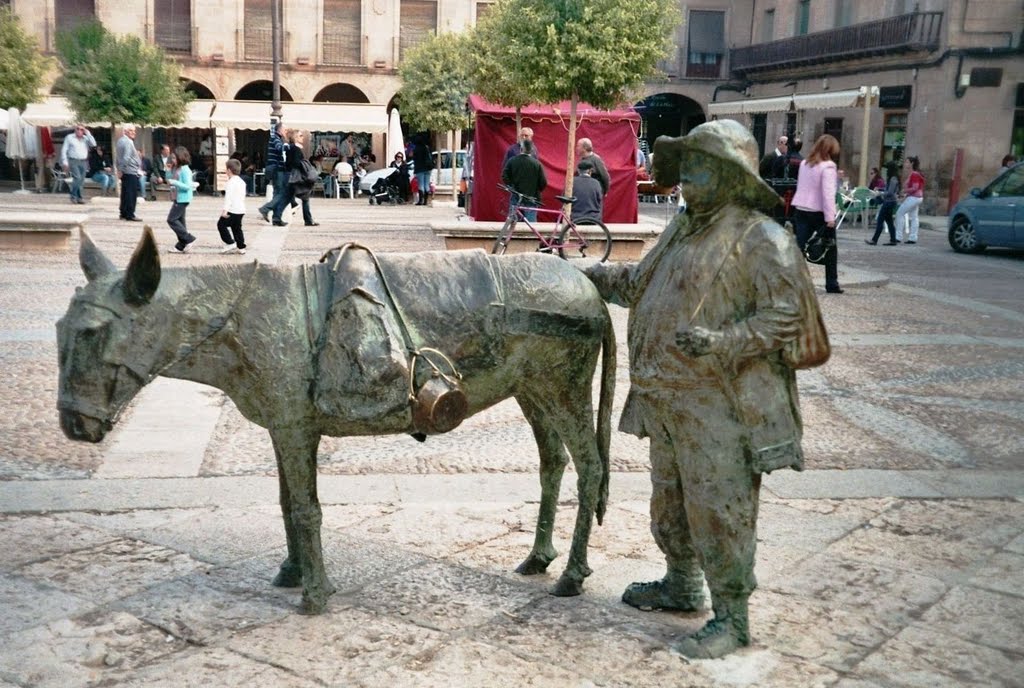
(1010, 184)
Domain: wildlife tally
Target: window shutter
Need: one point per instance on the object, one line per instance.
(417, 21)
(343, 32)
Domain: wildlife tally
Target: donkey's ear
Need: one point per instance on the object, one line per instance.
(94, 263)
(143, 274)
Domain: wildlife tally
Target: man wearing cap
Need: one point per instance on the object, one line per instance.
(722, 310)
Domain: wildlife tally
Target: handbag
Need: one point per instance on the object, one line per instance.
(818, 247)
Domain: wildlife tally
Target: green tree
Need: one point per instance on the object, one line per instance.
(436, 86)
(22, 66)
(594, 51)
(492, 59)
(119, 78)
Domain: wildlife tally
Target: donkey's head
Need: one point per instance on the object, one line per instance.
(105, 356)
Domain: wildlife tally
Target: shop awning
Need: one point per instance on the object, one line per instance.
(833, 99)
(255, 114)
(54, 111)
(802, 101)
(197, 115)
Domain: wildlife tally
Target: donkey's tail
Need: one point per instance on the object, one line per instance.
(604, 412)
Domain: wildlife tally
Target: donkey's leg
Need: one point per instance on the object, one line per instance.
(576, 425)
(290, 573)
(296, 450)
(553, 460)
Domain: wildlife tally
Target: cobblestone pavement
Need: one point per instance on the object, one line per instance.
(896, 559)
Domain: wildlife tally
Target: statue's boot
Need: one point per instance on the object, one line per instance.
(728, 631)
(676, 591)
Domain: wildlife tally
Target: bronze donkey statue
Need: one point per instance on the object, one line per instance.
(352, 347)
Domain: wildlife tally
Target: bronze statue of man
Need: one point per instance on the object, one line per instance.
(722, 312)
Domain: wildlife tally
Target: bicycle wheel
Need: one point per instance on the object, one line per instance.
(504, 237)
(572, 243)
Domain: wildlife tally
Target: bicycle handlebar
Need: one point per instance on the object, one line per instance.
(528, 199)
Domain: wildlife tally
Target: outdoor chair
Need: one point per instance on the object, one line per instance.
(856, 202)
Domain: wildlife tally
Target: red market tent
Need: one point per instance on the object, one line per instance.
(614, 134)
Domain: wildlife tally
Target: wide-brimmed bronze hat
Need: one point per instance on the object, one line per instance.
(725, 139)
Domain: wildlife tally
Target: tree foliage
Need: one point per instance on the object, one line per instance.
(493, 58)
(436, 84)
(119, 78)
(594, 51)
(22, 66)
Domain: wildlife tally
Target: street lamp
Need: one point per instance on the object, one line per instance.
(275, 30)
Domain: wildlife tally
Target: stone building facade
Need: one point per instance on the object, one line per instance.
(950, 72)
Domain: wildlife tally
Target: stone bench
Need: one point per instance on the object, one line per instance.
(21, 230)
(629, 241)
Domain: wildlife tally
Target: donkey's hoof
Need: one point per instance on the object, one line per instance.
(533, 565)
(312, 607)
(288, 576)
(567, 587)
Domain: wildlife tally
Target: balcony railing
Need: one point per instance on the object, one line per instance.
(919, 31)
(259, 45)
(174, 37)
(342, 50)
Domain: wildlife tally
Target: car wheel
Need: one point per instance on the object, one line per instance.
(962, 236)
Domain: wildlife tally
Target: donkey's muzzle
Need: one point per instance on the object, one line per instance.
(82, 428)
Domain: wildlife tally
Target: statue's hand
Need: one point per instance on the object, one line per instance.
(697, 341)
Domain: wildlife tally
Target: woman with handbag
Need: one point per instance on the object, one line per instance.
(814, 217)
(300, 177)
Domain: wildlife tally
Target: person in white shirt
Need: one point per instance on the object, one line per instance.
(230, 222)
(74, 158)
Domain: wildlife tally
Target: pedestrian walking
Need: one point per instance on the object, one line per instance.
(276, 173)
(129, 167)
(229, 225)
(908, 221)
(182, 182)
(299, 189)
(74, 158)
(815, 203)
(890, 198)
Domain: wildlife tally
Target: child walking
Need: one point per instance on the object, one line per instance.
(230, 222)
(176, 217)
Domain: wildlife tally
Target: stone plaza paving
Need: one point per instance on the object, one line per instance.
(895, 559)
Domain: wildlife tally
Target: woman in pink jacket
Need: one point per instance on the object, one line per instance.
(815, 203)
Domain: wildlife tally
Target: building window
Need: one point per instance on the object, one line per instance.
(705, 45)
(768, 26)
(482, 8)
(803, 17)
(172, 29)
(70, 13)
(844, 13)
(343, 32)
(894, 136)
(258, 31)
(418, 20)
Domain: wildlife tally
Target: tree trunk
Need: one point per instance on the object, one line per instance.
(570, 156)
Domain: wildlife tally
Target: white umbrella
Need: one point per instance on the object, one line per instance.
(16, 141)
(395, 142)
(4, 119)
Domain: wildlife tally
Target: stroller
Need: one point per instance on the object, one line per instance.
(388, 189)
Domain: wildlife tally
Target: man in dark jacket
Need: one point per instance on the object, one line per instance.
(525, 176)
(589, 198)
(276, 173)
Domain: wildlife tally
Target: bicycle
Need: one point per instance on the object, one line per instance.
(565, 237)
